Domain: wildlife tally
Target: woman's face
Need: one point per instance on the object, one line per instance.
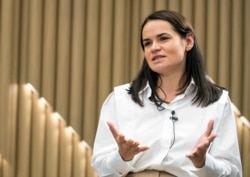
(164, 49)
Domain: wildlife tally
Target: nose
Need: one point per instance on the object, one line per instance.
(155, 46)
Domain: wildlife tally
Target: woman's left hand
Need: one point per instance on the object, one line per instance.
(198, 154)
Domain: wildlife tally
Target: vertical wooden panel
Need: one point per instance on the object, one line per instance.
(15, 50)
(106, 46)
(224, 43)
(90, 70)
(187, 9)
(48, 74)
(161, 5)
(211, 56)
(126, 43)
(12, 74)
(199, 24)
(5, 71)
(118, 68)
(34, 42)
(147, 7)
(4, 167)
(8, 89)
(7, 169)
(89, 169)
(52, 143)
(236, 53)
(1, 166)
(24, 43)
(82, 163)
(10, 139)
(37, 136)
(0, 17)
(13, 90)
(174, 5)
(23, 132)
(65, 153)
(78, 162)
(246, 60)
(135, 57)
(77, 65)
(63, 58)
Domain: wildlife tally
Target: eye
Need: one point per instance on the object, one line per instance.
(164, 38)
(147, 43)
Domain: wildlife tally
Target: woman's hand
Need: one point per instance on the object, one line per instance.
(128, 148)
(198, 154)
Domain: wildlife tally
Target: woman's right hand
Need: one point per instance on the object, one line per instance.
(128, 148)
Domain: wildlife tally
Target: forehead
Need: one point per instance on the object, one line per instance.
(155, 27)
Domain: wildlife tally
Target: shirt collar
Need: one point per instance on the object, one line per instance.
(190, 87)
(146, 91)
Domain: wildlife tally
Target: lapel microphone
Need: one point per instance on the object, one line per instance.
(173, 117)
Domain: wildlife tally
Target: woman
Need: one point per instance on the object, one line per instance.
(171, 119)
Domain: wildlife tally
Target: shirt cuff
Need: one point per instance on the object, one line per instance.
(212, 167)
(118, 165)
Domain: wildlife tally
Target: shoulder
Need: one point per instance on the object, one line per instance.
(122, 88)
(117, 91)
(121, 92)
(224, 97)
(223, 103)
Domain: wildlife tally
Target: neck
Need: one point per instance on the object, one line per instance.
(169, 87)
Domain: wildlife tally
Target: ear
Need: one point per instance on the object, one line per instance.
(189, 41)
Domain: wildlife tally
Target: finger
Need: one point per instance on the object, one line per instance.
(143, 148)
(212, 137)
(121, 139)
(209, 127)
(113, 130)
(193, 156)
(133, 143)
(197, 151)
(140, 149)
(190, 155)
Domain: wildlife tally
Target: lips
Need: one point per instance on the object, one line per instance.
(157, 57)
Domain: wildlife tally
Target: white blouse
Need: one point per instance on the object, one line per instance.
(154, 128)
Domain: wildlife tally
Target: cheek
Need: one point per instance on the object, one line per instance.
(146, 54)
(176, 50)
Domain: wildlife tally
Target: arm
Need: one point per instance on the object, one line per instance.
(222, 158)
(106, 159)
(112, 150)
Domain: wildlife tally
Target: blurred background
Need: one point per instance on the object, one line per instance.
(59, 59)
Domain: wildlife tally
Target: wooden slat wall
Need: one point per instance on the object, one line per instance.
(45, 145)
(75, 51)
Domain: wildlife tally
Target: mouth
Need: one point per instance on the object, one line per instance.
(157, 57)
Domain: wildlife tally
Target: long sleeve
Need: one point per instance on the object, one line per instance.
(106, 159)
(223, 158)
